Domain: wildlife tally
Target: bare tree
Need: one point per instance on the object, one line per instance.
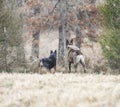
(62, 32)
(79, 36)
(35, 44)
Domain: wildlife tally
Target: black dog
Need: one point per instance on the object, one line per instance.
(49, 62)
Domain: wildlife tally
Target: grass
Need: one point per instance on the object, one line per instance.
(59, 90)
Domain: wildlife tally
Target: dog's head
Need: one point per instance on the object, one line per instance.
(53, 54)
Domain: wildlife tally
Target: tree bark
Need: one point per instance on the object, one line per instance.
(62, 33)
(35, 44)
(79, 37)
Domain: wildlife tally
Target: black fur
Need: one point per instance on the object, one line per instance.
(49, 62)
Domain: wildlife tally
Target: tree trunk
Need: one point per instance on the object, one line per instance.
(34, 67)
(79, 37)
(62, 33)
(35, 44)
(61, 51)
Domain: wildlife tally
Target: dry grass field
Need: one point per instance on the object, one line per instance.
(59, 90)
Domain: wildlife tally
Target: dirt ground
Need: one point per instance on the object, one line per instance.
(59, 90)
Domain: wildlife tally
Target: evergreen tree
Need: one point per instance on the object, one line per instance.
(10, 32)
(111, 37)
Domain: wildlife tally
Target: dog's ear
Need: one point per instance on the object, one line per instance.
(55, 51)
(71, 42)
(51, 52)
(67, 43)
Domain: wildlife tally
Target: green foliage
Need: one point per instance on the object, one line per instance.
(9, 19)
(111, 46)
(10, 39)
(110, 41)
(111, 14)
